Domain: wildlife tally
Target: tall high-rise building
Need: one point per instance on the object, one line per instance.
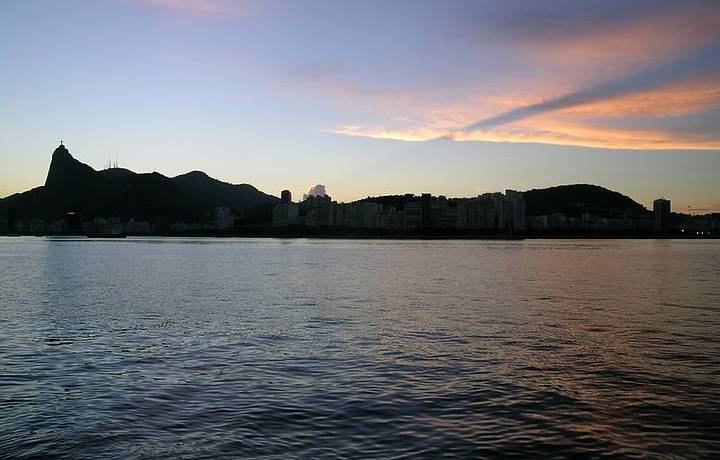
(661, 210)
(413, 212)
(426, 203)
(319, 210)
(492, 211)
(286, 212)
(515, 210)
(439, 212)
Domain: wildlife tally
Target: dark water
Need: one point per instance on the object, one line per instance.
(167, 348)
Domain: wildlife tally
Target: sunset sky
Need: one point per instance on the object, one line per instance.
(370, 97)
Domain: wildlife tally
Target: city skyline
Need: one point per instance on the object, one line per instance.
(113, 202)
(320, 190)
(370, 99)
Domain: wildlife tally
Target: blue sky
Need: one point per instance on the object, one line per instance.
(449, 97)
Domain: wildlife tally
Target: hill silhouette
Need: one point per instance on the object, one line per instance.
(571, 200)
(74, 186)
(210, 193)
(576, 199)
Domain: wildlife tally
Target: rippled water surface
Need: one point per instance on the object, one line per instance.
(206, 348)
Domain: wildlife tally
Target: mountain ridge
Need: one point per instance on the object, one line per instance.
(75, 186)
(71, 185)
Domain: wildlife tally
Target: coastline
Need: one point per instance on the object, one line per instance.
(383, 236)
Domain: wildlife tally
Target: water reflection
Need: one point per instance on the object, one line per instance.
(309, 348)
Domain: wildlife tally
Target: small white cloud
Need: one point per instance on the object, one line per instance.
(316, 190)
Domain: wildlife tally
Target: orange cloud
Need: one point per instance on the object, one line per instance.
(581, 123)
(547, 133)
(379, 132)
(684, 98)
(643, 73)
(564, 132)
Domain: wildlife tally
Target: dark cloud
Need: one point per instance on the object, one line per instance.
(701, 64)
(543, 21)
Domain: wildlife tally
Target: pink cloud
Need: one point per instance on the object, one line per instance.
(650, 68)
(202, 7)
